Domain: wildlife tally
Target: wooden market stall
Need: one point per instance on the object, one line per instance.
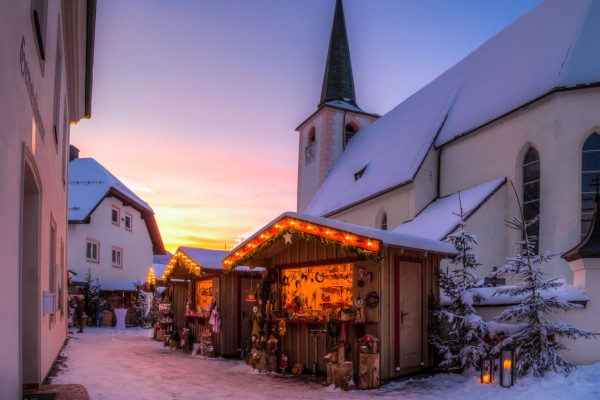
(197, 284)
(332, 282)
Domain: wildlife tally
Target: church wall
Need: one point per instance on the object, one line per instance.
(398, 204)
(425, 183)
(556, 127)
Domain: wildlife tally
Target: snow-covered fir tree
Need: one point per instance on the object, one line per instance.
(462, 346)
(92, 292)
(139, 306)
(536, 345)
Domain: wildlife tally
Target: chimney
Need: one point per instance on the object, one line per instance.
(73, 152)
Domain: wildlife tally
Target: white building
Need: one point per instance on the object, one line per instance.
(112, 232)
(46, 53)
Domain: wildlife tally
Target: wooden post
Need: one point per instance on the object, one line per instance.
(368, 371)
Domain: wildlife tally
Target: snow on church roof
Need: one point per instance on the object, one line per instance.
(441, 217)
(554, 46)
(89, 184)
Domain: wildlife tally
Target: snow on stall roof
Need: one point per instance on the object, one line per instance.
(89, 183)
(441, 217)
(554, 45)
(206, 258)
(565, 292)
(387, 237)
(119, 286)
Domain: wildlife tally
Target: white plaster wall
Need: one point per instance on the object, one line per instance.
(16, 113)
(556, 126)
(136, 244)
(308, 174)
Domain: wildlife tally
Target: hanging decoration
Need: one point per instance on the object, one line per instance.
(288, 226)
(372, 299)
(180, 261)
(151, 280)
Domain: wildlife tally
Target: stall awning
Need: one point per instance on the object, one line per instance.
(360, 239)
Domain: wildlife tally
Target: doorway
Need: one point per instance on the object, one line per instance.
(409, 315)
(30, 278)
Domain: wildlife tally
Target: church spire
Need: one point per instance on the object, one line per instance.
(338, 83)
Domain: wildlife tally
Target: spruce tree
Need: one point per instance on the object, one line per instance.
(536, 345)
(462, 346)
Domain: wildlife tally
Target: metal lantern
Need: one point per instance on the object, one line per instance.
(488, 365)
(507, 367)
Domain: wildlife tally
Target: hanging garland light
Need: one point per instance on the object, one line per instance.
(350, 242)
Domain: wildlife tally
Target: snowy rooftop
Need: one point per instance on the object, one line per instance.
(207, 259)
(441, 217)
(386, 237)
(565, 292)
(89, 184)
(530, 58)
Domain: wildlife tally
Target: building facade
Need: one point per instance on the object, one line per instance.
(112, 233)
(47, 51)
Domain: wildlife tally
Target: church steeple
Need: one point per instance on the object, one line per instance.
(338, 83)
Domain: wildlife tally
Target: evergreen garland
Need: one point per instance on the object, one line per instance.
(370, 255)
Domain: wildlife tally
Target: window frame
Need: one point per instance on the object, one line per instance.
(116, 209)
(118, 262)
(39, 20)
(587, 196)
(128, 217)
(93, 242)
(383, 222)
(348, 135)
(531, 191)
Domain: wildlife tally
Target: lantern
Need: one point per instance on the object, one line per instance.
(507, 367)
(487, 364)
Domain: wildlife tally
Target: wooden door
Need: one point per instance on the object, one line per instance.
(245, 310)
(410, 335)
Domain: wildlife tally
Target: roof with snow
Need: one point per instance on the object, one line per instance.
(90, 183)
(533, 57)
(205, 258)
(364, 238)
(441, 217)
(564, 292)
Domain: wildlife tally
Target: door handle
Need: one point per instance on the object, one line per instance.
(402, 315)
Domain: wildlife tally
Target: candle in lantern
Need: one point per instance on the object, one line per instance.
(486, 378)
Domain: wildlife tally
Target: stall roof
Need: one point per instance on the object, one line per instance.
(360, 238)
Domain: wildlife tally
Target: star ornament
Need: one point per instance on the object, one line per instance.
(288, 238)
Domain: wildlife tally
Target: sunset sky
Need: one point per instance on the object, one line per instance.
(195, 102)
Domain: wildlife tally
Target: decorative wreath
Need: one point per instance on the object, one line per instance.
(372, 299)
(319, 277)
(273, 276)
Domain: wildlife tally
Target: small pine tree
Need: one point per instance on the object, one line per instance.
(139, 306)
(93, 294)
(536, 345)
(462, 346)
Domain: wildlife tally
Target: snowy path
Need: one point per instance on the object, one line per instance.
(119, 365)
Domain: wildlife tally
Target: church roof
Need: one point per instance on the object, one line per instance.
(442, 217)
(338, 83)
(90, 183)
(554, 47)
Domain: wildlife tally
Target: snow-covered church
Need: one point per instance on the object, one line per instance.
(524, 107)
(511, 130)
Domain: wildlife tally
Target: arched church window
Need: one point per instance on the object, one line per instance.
(531, 194)
(349, 132)
(590, 170)
(384, 221)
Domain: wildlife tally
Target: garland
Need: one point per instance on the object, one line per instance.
(370, 255)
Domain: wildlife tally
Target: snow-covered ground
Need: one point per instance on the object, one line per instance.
(128, 364)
